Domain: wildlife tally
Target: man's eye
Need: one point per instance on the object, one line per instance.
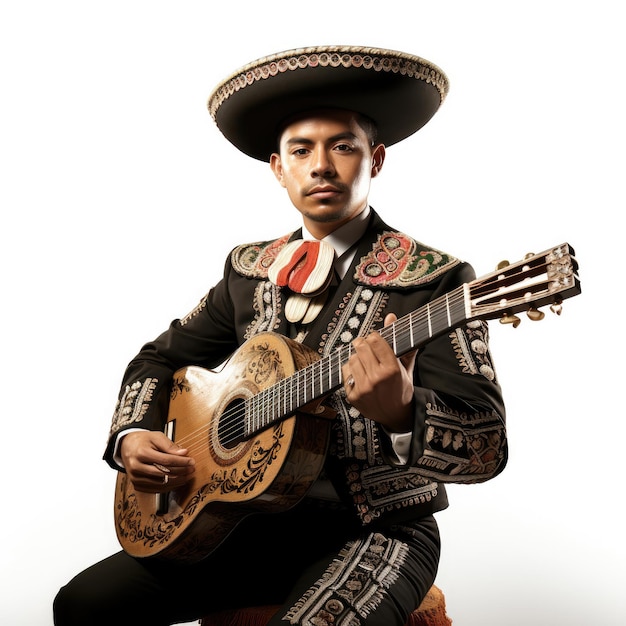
(343, 147)
(300, 151)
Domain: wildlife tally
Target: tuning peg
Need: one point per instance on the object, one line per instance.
(510, 319)
(502, 265)
(535, 314)
(529, 255)
(557, 307)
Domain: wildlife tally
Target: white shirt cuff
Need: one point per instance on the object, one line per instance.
(401, 444)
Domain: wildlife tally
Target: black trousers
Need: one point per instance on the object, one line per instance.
(315, 561)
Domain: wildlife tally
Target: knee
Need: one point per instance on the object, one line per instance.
(84, 602)
(72, 607)
(62, 607)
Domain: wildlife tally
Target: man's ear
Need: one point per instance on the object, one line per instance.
(378, 158)
(277, 168)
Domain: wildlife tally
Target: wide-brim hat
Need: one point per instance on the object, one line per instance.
(400, 92)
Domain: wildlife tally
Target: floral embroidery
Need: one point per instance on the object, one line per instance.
(471, 344)
(398, 261)
(466, 446)
(374, 487)
(133, 404)
(254, 259)
(357, 315)
(353, 585)
(267, 306)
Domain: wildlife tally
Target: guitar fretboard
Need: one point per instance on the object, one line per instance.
(316, 380)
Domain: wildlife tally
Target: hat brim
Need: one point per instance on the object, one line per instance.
(398, 91)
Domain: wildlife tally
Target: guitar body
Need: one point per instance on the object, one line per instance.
(269, 471)
(252, 427)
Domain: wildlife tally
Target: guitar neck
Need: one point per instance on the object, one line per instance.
(537, 280)
(420, 326)
(324, 376)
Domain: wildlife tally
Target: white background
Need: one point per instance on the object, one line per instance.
(120, 200)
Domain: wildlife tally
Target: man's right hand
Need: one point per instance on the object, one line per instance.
(154, 463)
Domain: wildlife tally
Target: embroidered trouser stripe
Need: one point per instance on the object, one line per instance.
(353, 585)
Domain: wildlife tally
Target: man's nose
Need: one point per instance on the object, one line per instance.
(322, 164)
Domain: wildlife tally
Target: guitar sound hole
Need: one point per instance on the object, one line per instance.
(230, 430)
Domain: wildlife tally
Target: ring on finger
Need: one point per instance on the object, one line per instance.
(350, 381)
(166, 478)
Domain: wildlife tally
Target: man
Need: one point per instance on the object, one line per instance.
(361, 546)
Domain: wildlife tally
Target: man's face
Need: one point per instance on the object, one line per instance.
(326, 163)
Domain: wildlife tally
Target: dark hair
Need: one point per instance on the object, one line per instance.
(367, 124)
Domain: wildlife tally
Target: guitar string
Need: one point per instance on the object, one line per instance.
(232, 422)
(276, 393)
(234, 418)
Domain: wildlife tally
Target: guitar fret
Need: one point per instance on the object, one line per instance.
(262, 410)
(312, 382)
(296, 382)
(336, 360)
(268, 407)
(254, 412)
(304, 391)
(251, 412)
(316, 380)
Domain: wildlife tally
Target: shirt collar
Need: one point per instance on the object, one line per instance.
(344, 240)
(347, 235)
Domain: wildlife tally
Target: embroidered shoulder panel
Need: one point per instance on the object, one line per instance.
(398, 261)
(253, 260)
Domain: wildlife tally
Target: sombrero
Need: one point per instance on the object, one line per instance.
(400, 92)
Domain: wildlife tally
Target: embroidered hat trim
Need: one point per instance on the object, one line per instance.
(376, 59)
(399, 92)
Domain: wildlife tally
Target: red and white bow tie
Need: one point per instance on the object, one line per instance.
(306, 269)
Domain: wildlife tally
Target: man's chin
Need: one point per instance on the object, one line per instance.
(325, 213)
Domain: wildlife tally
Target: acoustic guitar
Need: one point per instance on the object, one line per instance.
(258, 429)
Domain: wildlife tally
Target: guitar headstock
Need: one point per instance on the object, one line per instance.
(538, 280)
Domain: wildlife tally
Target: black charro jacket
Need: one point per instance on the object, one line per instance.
(459, 432)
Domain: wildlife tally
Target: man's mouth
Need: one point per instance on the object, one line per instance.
(323, 191)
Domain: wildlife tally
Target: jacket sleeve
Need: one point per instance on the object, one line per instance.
(459, 432)
(205, 337)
